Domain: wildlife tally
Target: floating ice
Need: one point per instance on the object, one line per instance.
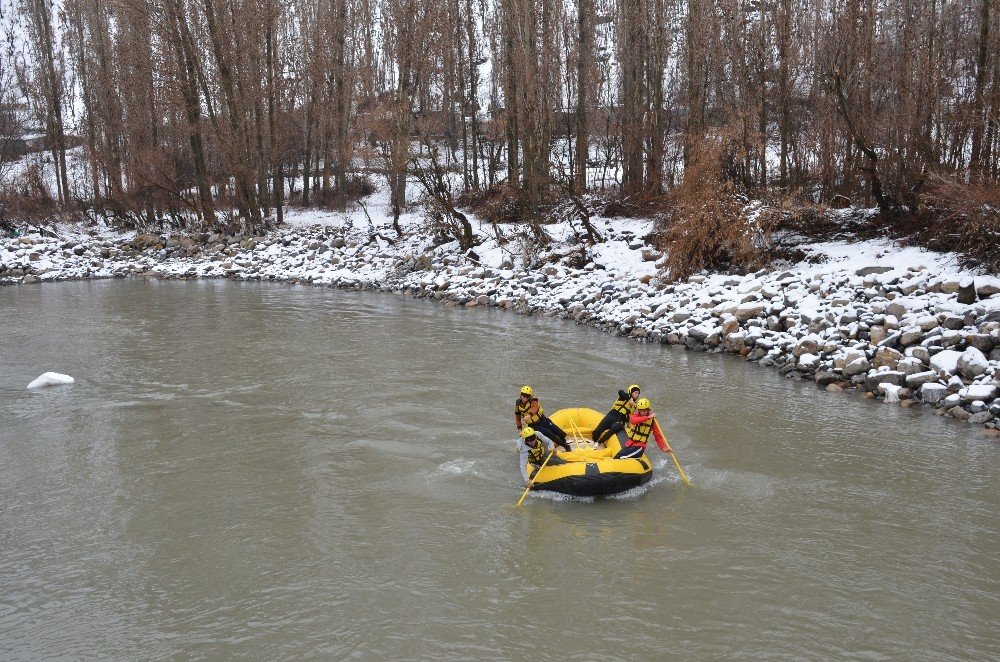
(51, 379)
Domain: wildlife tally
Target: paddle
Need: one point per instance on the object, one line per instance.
(672, 454)
(528, 489)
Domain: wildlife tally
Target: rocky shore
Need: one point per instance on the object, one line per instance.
(892, 323)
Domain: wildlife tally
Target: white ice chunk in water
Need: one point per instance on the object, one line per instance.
(51, 379)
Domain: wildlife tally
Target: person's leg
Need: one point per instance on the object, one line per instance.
(604, 425)
(616, 426)
(629, 452)
(552, 431)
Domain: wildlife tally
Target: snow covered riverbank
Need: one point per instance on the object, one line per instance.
(901, 324)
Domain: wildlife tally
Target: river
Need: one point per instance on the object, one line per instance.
(282, 472)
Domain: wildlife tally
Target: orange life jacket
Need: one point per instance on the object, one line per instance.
(522, 408)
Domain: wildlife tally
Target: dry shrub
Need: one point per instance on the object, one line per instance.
(499, 203)
(26, 199)
(959, 216)
(706, 226)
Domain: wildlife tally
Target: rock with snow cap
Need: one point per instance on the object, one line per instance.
(933, 393)
(972, 363)
(978, 392)
(891, 392)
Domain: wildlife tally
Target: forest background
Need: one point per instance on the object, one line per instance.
(726, 120)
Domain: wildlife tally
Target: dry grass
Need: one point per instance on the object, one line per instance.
(26, 199)
(958, 216)
(706, 226)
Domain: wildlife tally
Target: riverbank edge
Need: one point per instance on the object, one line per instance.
(874, 330)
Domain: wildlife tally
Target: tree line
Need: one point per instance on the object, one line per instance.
(223, 112)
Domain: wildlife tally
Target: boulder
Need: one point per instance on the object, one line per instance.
(891, 392)
(917, 380)
(858, 366)
(953, 323)
(808, 345)
(877, 334)
(986, 290)
(749, 310)
(911, 366)
(807, 362)
(825, 378)
(946, 361)
(981, 341)
(895, 309)
(911, 336)
(933, 393)
(920, 353)
(972, 363)
(886, 357)
(959, 413)
(875, 380)
(967, 292)
(868, 271)
(981, 418)
(984, 392)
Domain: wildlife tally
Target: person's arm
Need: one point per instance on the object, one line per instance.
(523, 462)
(660, 441)
(517, 417)
(636, 418)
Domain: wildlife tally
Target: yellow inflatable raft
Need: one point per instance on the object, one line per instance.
(590, 471)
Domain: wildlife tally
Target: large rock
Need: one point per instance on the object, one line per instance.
(807, 363)
(877, 334)
(911, 336)
(808, 345)
(891, 391)
(946, 361)
(933, 393)
(984, 392)
(868, 271)
(981, 341)
(858, 366)
(895, 309)
(749, 310)
(920, 378)
(981, 418)
(886, 357)
(967, 292)
(911, 366)
(824, 378)
(972, 363)
(986, 290)
(891, 377)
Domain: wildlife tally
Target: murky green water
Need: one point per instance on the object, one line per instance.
(293, 473)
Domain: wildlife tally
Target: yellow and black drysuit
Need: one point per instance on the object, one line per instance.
(614, 420)
(535, 455)
(529, 412)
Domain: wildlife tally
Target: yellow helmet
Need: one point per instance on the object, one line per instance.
(633, 387)
(643, 403)
(527, 390)
(527, 431)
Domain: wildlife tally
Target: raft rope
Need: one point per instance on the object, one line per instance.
(578, 439)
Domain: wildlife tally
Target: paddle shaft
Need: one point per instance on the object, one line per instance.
(528, 489)
(672, 454)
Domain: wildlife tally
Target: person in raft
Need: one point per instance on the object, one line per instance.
(534, 448)
(636, 433)
(615, 420)
(528, 411)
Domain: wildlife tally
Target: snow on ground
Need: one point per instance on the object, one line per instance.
(851, 315)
